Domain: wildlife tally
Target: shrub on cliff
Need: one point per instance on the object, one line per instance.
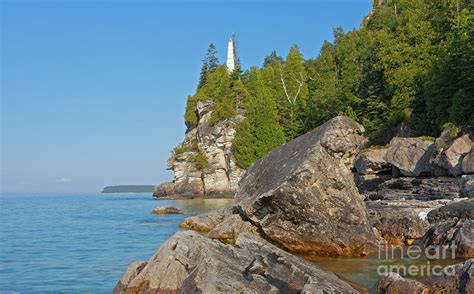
(200, 160)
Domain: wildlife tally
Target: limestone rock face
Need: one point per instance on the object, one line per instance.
(302, 195)
(411, 156)
(192, 263)
(221, 175)
(452, 157)
(372, 162)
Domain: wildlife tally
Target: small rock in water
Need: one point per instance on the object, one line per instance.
(168, 210)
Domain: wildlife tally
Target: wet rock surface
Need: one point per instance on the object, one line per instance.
(191, 263)
(168, 210)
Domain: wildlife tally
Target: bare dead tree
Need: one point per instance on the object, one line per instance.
(292, 99)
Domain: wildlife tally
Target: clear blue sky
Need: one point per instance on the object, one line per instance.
(93, 92)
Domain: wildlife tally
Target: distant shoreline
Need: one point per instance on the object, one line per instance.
(128, 189)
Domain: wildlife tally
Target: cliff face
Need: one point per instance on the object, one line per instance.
(203, 165)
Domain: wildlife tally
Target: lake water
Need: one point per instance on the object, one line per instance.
(81, 243)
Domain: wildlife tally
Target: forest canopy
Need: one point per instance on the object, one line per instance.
(408, 70)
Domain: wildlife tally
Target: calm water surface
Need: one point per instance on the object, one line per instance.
(81, 243)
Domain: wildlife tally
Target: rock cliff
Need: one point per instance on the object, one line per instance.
(203, 165)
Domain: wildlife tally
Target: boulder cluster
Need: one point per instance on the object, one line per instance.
(321, 194)
(419, 168)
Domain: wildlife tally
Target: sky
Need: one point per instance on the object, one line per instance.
(93, 92)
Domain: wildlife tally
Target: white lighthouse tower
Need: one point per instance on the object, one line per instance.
(230, 55)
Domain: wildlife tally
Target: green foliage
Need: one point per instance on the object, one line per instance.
(209, 64)
(427, 138)
(222, 109)
(409, 67)
(260, 131)
(453, 129)
(190, 115)
(216, 86)
(377, 147)
(293, 95)
(181, 149)
(200, 160)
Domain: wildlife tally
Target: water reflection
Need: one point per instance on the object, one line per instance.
(364, 271)
(198, 205)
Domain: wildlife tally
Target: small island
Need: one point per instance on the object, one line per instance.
(129, 189)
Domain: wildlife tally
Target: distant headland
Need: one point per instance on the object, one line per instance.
(129, 189)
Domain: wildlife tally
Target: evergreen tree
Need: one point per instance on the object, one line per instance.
(292, 77)
(209, 64)
(260, 131)
(272, 58)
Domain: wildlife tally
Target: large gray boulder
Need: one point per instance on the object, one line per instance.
(453, 155)
(192, 263)
(411, 156)
(468, 163)
(453, 228)
(399, 226)
(466, 185)
(459, 209)
(372, 161)
(302, 195)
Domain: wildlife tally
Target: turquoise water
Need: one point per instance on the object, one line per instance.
(81, 243)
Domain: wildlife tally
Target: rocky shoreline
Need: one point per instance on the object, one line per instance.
(324, 194)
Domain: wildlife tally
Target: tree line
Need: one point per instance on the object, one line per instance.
(408, 69)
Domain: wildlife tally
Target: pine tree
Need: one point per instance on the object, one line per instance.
(209, 64)
(260, 131)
